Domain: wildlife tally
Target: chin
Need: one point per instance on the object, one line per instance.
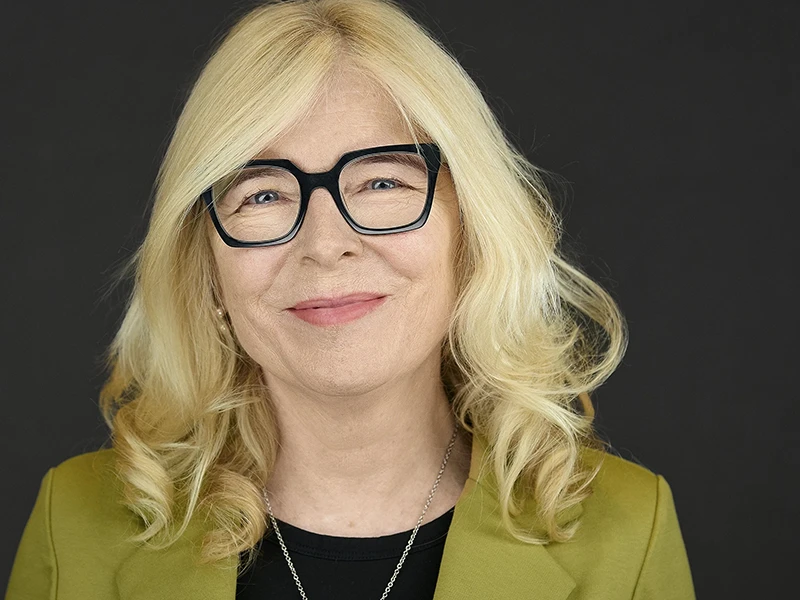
(352, 380)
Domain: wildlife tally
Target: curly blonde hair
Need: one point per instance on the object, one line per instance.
(192, 423)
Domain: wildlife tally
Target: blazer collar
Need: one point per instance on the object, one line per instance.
(480, 558)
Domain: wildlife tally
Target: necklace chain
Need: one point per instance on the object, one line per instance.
(408, 545)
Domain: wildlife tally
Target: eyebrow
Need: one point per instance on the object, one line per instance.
(402, 158)
(245, 174)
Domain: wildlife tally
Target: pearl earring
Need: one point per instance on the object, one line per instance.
(223, 326)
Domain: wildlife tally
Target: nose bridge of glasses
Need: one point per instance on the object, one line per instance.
(328, 180)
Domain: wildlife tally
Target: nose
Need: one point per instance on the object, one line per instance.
(325, 236)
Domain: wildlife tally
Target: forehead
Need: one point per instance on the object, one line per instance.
(351, 113)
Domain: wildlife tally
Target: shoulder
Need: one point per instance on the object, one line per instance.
(625, 544)
(88, 477)
(89, 467)
(85, 500)
(77, 528)
(80, 542)
(631, 517)
(624, 496)
(621, 484)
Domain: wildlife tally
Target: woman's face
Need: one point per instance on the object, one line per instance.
(401, 336)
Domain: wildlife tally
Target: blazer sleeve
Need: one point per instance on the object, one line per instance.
(34, 572)
(665, 572)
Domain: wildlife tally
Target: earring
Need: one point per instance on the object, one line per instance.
(223, 325)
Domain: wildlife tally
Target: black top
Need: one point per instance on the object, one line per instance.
(342, 568)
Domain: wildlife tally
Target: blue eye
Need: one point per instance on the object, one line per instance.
(382, 184)
(263, 197)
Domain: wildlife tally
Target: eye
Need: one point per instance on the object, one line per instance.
(382, 184)
(262, 197)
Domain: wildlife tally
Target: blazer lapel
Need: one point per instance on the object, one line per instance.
(176, 573)
(482, 561)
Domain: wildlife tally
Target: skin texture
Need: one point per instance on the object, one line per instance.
(362, 413)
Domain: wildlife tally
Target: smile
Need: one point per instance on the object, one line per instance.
(337, 315)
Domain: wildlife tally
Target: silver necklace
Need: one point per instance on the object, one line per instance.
(408, 545)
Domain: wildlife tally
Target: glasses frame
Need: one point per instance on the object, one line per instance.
(330, 181)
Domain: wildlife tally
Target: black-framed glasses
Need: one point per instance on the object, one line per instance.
(381, 190)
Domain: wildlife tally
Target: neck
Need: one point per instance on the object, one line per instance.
(364, 466)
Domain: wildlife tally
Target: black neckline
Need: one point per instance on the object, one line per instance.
(331, 547)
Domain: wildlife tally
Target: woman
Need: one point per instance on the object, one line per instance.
(354, 362)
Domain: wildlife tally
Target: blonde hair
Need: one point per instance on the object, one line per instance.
(531, 333)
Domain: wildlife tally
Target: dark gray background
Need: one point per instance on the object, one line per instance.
(673, 124)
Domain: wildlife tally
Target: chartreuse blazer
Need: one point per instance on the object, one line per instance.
(629, 544)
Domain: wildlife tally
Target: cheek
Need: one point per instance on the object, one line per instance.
(244, 275)
(440, 241)
(425, 257)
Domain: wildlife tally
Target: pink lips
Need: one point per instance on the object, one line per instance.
(334, 311)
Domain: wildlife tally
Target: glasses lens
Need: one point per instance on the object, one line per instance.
(257, 204)
(386, 190)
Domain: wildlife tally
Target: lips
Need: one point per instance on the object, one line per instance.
(324, 312)
(336, 301)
